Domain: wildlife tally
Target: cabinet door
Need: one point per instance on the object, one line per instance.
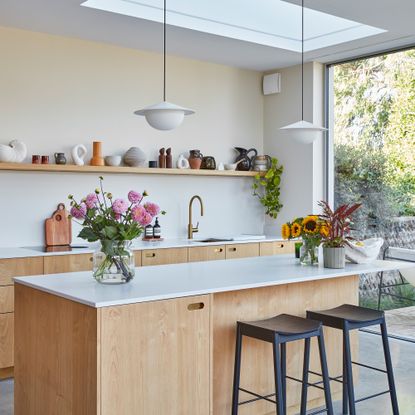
(56, 264)
(277, 248)
(242, 250)
(6, 339)
(17, 267)
(155, 357)
(206, 253)
(164, 256)
(137, 258)
(7, 299)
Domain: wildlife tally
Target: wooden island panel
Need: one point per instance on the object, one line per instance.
(257, 358)
(58, 264)
(155, 358)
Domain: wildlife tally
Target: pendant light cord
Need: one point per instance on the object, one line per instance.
(164, 51)
(302, 60)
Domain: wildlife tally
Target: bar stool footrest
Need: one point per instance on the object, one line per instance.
(257, 397)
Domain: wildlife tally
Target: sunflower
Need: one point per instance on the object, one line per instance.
(324, 230)
(310, 224)
(295, 230)
(285, 231)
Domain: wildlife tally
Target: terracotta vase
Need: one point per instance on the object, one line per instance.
(195, 159)
(97, 159)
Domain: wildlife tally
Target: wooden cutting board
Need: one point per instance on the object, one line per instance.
(58, 228)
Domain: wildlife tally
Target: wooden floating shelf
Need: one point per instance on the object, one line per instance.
(70, 168)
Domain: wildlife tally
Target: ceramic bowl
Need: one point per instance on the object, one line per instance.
(230, 166)
(113, 160)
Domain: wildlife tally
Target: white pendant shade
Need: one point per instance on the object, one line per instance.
(304, 131)
(165, 115)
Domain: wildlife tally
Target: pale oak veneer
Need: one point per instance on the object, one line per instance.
(6, 299)
(276, 248)
(207, 253)
(57, 264)
(242, 250)
(164, 256)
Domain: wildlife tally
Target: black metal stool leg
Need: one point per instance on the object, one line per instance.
(237, 372)
(325, 373)
(345, 395)
(389, 368)
(349, 370)
(306, 368)
(283, 375)
(278, 377)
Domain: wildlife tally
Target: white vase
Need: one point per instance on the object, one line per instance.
(78, 154)
(14, 152)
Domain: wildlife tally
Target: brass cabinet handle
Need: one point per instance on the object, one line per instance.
(218, 250)
(91, 259)
(150, 255)
(232, 249)
(282, 246)
(195, 306)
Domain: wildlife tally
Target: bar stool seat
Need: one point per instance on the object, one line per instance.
(349, 317)
(280, 330)
(336, 317)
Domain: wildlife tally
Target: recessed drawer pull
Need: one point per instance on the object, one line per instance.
(282, 246)
(91, 259)
(218, 250)
(196, 306)
(150, 255)
(232, 249)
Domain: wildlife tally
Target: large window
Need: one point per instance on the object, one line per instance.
(373, 150)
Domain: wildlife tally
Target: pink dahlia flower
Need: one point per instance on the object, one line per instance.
(91, 200)
(79, 212)
(134, 197)
(137, 213)
(152, 209)
(120, 206)
(146, 219)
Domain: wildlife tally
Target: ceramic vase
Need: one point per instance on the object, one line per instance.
(135, 157)
(14, 152)
(334, 257)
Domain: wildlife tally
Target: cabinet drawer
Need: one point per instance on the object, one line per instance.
(137, 258)
(7, 299)
(242, 250)
(206, 253)
(277, 248)
(6, 339)
(17, 267)
(57, 264)
(163, 256)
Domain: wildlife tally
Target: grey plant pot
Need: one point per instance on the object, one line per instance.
(334, 257)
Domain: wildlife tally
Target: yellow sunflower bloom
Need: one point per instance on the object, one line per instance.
(285, 231)
(310, 224)
(295, 230)
(324, 230)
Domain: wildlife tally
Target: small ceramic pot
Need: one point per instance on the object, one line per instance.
(261, 163)
(195, 159)
(334, 257)
(60, 158)
(45, 159)
(113, 160)
(208, 163)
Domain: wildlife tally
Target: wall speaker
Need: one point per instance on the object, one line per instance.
(271, 84)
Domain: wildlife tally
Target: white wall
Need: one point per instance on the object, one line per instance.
(57, 92)
(303, 179)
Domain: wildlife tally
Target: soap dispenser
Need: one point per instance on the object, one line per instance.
(157, 229)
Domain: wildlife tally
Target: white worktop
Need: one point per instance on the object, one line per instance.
(27, 252)
(182, 280)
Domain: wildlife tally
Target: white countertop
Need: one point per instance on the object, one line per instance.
(7, 253)
(182, 280)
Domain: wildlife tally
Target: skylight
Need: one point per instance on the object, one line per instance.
(274, 23)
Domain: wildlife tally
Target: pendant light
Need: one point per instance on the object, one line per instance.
(303, 131)
(164, 115)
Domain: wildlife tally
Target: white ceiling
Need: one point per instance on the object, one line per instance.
(68, 18)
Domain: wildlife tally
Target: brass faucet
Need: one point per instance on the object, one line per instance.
(190, 229)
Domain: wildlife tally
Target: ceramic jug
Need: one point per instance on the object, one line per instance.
(195, 159)
(245, 161)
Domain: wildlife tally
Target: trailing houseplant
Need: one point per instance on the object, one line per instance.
(114, 223)
(337, 232)
(311, 230)
(267, 188)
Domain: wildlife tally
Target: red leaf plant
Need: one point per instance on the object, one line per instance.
(337, 224)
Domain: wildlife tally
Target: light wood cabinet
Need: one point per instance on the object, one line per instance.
(6, 339)
(137, 258)
(242, 250)
(16, 267)
(276, 248)
(57, 264)
(206, 253)
(7, 299)
(164, 256)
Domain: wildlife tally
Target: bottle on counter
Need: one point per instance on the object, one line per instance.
(157, 229)
(148, 231)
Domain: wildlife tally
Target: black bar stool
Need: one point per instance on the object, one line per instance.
(279, 331)
(350, 317)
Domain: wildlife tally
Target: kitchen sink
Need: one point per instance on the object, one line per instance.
(212, 240)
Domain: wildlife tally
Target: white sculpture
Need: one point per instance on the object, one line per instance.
(78, 154)
(14, 152)
(182, 162)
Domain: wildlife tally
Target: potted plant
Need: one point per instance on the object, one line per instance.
(114, 223)
(335, 232)
(309, 229)
(267, 188)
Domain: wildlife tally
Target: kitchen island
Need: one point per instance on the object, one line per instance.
(164, 343)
